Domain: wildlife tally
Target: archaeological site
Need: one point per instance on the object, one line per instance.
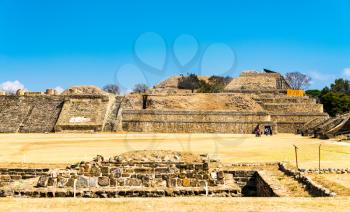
(162, 174)
(252, 100)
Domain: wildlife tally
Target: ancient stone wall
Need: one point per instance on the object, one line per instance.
(29, 113)
(263, 187)
(246, 180)
(194, 116)
(293, 108)
(159, 173)
(257, 81)
(291, 113)
(83, 113)
(287, 99)
(191, 121)
(255, 183)
(113, 119)
(291, 122)
(89, 109)
(8, 175)
(312, 187)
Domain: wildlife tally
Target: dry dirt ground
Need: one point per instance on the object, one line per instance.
(177, 204)
(63, 149)
(58, 150)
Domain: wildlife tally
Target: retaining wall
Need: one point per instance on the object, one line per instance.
(29, 113)
(287, 99)
(83, 113)
(293, 108)
(313, 188)
(192, 122)
(291, 122)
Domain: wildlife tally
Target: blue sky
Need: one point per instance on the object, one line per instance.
(63, 43)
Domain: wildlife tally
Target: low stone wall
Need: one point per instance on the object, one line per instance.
(246, 180)
(326, 171)
(313, 188)
(152, 176)
(146, 174)
(255, 183)
(264, 186)
(10, 175)
(122, 192)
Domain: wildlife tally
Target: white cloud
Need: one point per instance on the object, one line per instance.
(11, 86)
(317, 76)
(346, 72)
(59, 89)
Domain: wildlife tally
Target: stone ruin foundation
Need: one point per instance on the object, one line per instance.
(135, 174)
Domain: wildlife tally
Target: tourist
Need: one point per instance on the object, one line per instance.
(257, 131)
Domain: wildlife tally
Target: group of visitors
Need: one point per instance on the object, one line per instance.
(267, 131)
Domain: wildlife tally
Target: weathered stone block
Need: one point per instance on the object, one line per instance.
(85, 181)
(205, 166)
(112, 182)
(143, 170)
(199, 177)
(61, 181)
(125, 175)
(145, 179)
(81, 171)
(87, 167)
(120, 182)
(5, 178)
(198, 166)
(220, 175)
(179, 182)
(105, 170)
(161, 170)
(16, 177)
(181, 166)
(116, 172)
(194, 183)
(202, 183)
(51, 181)
(70, 182)
(190, 174)
(133, 182)
(171, 183)
(42, 182)
(103, 181)
(165, 176)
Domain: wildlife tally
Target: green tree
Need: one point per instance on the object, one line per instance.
(215, 84)
(191, 82)
(341, 86)
(314, 93)
(335, 103)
